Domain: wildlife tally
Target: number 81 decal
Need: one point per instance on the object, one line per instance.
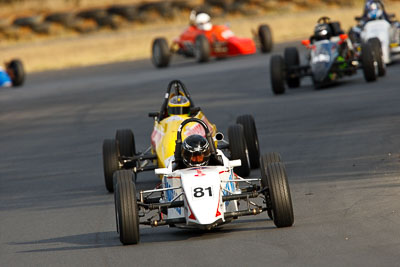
(200, 192)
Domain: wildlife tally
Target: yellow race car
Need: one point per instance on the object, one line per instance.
(120, 153)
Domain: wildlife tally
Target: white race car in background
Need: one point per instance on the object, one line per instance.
(379, 30)
(202, 197)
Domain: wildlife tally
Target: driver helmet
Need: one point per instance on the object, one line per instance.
(322, 32)
(195, 151)
(203, 22)
(374, 10)
(178, 105)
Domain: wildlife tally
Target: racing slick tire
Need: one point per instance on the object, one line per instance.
(265, 37)
(110, 162)
(270, 157)
(376, 46)
(126, 142)
(292, 59)
(160, 53)
(250, 134)
(273, 157)
(277, 70)
(16, 71)
(202, 49)
(126, 208)
(238, 149)
(368, 62)
(278, 195)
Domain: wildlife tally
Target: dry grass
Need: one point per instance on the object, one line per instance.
(134, 42)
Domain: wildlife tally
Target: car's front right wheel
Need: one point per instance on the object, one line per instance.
(126, 208)
(277, 70)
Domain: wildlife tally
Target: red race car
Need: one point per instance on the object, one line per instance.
(203, 40)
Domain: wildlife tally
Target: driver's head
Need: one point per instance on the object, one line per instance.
(203, 22)
(178, 105)
(322, 31)
(374, 10)
(195, 151)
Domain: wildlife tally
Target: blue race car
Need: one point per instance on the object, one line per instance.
(13, 74)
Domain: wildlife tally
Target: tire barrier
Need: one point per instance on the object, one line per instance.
(113, 16)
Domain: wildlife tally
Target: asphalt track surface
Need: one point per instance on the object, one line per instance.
(340, 146)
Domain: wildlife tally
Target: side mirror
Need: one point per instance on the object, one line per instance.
(357, 18)
(235, 163)
(162, 171)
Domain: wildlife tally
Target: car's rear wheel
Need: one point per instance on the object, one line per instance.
(292, 61)
(368, 62)
(160, 53)
(110, 162)
(126, 208)
(126, 142)
(277, 196)
(277, 70)
(238, 149)
(265, 36)
(16, 71)
(202, 49)
(250, 134)
(376, 47)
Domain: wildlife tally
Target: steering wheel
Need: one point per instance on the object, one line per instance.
(324, 20)
(178, 146)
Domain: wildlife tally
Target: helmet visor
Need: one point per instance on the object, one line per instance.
(178, 110)
(197, 158)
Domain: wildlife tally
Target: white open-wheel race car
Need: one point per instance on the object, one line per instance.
(201, 197)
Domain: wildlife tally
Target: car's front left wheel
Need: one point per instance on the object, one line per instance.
(368, 62)
(17, 72)
(160, 53)
(278, 198)
(376, 47)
